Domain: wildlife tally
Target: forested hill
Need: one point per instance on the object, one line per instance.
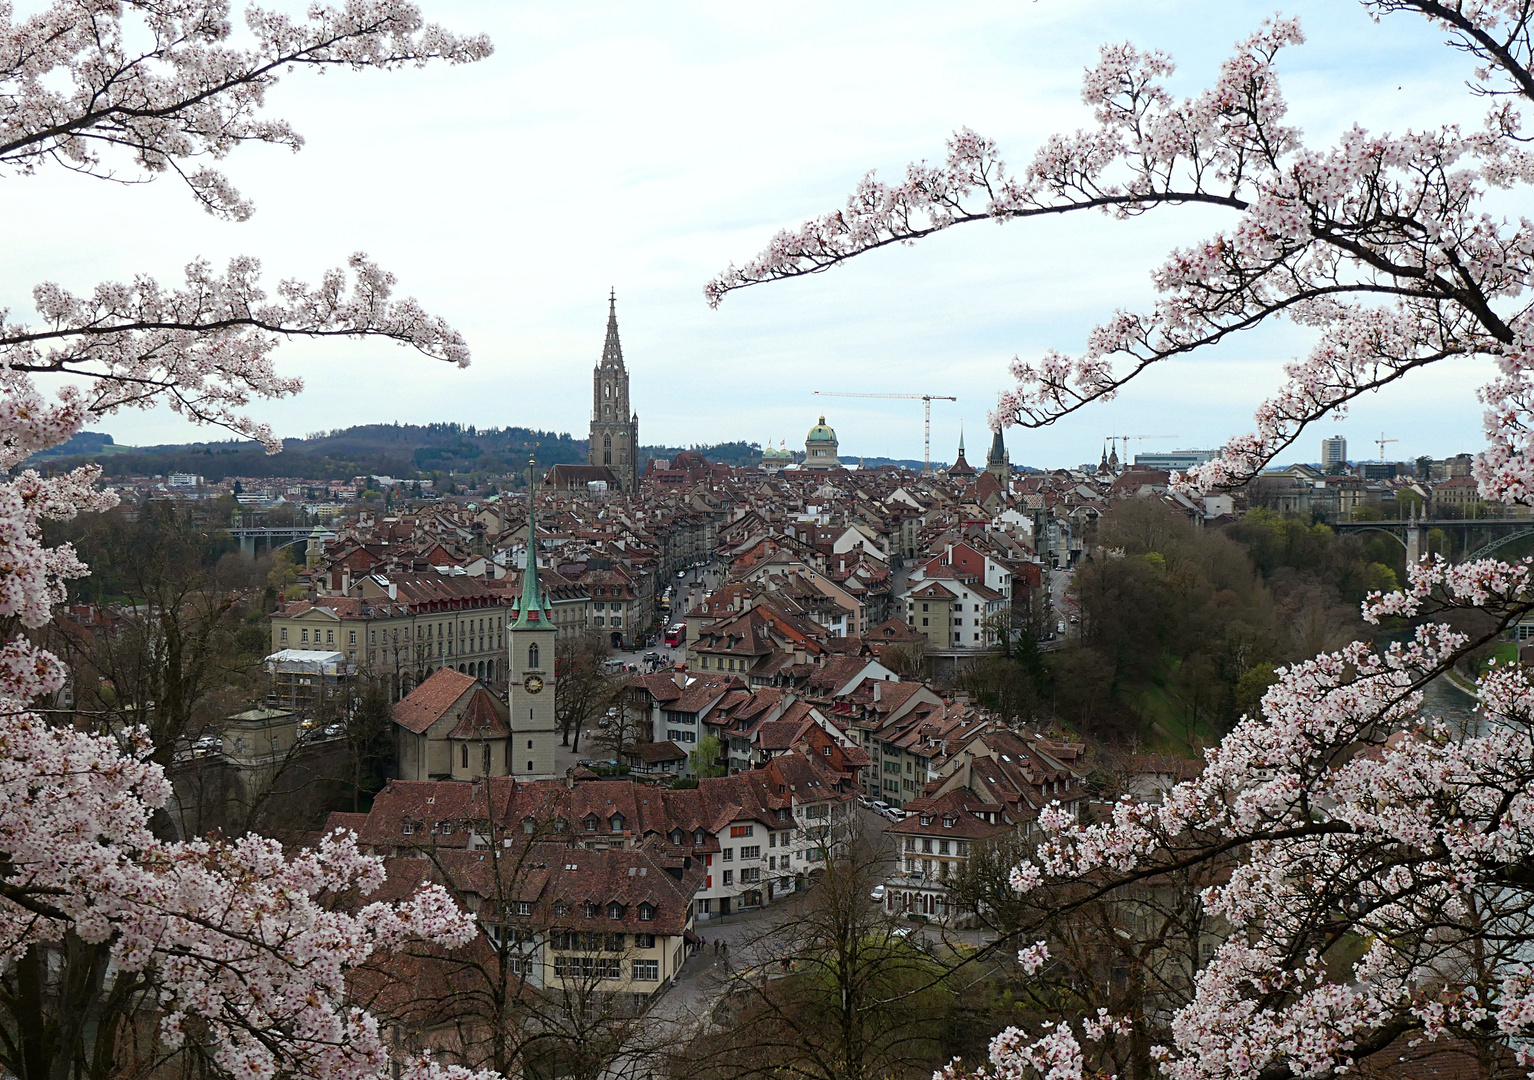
(404, 450)
(407, 451)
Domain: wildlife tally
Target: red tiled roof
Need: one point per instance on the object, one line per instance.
(427, 703)
(482, 719)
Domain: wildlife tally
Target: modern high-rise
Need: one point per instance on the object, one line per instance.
(1334, 451)
(614, 430)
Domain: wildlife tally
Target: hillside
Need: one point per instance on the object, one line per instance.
(407, 451)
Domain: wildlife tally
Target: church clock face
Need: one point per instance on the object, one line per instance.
(533, 684)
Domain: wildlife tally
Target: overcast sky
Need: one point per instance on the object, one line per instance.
(646, 146)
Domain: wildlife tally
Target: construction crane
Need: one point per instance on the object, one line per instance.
(925, 399)
(1380, 442)
(1126, 439)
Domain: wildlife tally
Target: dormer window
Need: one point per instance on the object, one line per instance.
(528, 826)
(926, 819)
(698, 837)
(589, 910)
(445, 828)
(561, 908)
(560, 824)
(948, 823)
(615, 910)
(676, 837)
(615, 823)
(407, 827)
(592, 822)
(646, 913)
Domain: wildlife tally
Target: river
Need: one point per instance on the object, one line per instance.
(1443, 699)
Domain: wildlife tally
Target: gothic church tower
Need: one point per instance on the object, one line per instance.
(614, 430)
(530, 663)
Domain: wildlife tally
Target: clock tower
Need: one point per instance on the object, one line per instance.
(530, 664)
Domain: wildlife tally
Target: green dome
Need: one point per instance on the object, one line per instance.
(821, 433)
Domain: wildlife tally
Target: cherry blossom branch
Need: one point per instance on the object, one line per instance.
(188, 94)
(1379, 243)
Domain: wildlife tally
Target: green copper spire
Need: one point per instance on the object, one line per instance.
(532, 597)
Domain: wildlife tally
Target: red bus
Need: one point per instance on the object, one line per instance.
(676, 635)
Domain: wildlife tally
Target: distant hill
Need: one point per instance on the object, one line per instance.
(81, 442)
(407, 451)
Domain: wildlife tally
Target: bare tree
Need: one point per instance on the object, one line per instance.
(584, 689)
(833, 988)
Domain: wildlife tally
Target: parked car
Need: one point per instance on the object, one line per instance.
(896, 814)
(334, 731)
(901, 931)
(877, 894)
(880, 806)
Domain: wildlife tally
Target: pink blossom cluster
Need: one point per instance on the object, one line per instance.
(1381, 243)
(1339, 812)
(242, 936)
(248, 945)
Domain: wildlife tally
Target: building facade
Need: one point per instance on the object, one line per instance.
(614, 428)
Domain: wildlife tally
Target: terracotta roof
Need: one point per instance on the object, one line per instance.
(652, 753)
(427, 703)
(482, 719)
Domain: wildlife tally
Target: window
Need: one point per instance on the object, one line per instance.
(283, 634)
(646, 913)
(528, 826)
(408, 828)
(532, 655)
(561, 908)
(676, 837)
(353, 637)
(303, 635)
(524, 907)
(646, 970)
(753, 852)
(486, 762)
(559, 824)
(698, 837)
(615, 910)
(926, 846)
(750, 875)
(330, 637)
(589, 910)
(740, 830)
(445, 828)
(644, 941)
(615, 823)
(465, 749)
(591, 822)
(729, 876)
(772, 839)
(729, 854)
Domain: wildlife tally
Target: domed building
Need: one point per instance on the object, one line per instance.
(820, 447)
(775, 458)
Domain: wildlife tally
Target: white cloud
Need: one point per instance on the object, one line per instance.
(647, 146)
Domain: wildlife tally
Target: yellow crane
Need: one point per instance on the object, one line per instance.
(925, 399)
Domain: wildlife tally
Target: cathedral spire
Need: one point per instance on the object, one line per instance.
(612, 350)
